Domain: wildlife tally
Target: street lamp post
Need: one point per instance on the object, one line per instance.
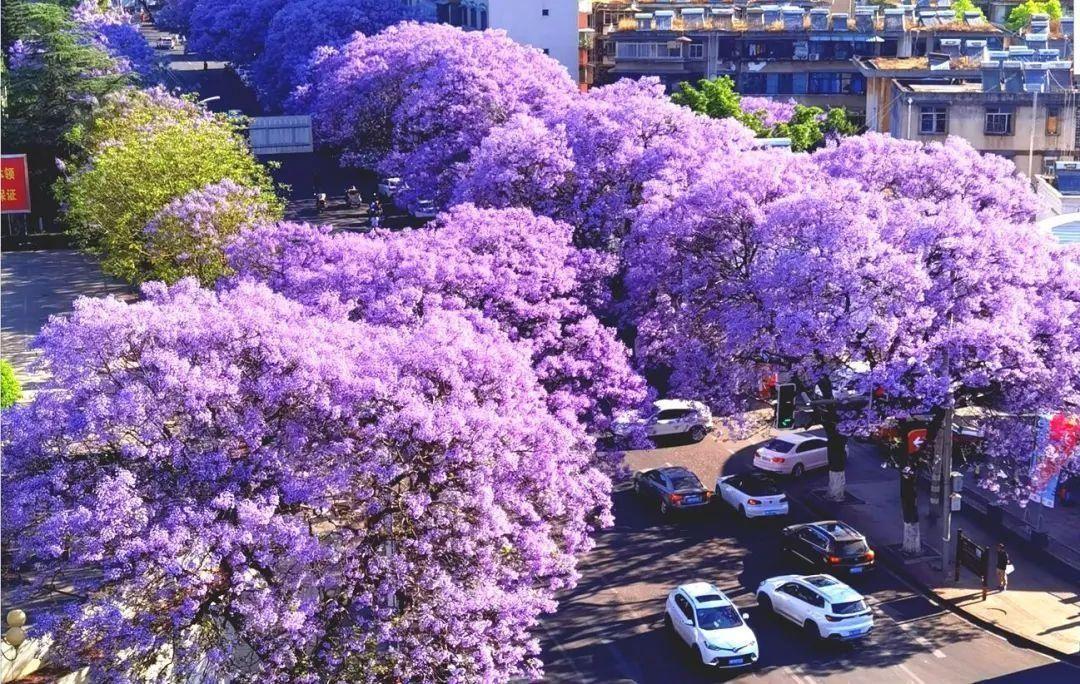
(15, 634)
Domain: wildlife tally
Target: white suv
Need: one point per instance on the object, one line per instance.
(703, 617)
(821, 604)
(669, 417)
(792, 453)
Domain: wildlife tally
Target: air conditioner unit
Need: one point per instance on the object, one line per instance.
(815, 57)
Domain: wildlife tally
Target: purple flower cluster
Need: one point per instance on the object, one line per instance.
(771, 112)
(279, 493)
(116, 33)
(187, 237)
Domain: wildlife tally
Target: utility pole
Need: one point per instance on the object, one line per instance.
(946, 487)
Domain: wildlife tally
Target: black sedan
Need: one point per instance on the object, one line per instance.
(673, 488)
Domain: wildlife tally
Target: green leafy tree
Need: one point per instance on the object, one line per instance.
(1020, 16)
(961, 6)
(10, 390)
(142, 151)
(807, 127)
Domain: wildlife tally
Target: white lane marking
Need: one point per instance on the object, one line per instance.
(922, 641)
(910, 674)
(667, 463)
(791, 673)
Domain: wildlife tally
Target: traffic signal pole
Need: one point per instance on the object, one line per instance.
(946, 488)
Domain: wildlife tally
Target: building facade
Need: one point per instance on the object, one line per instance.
(548, 25)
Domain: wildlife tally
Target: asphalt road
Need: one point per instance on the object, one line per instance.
(609, 629)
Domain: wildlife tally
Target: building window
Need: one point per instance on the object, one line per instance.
(755, 49)
(544, 12)
(753, 84)
(999, 121)
(933, 120)
(1053, 121)
(697, 51)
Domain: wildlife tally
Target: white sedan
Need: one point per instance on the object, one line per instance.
(792, 453)
(822, 605)
(752, 495)
(388, 187)
(707, 621)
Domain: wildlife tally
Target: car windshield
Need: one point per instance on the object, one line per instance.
(720, 617)
(685, 482)
(759, 487)
(779, 446)
(851, 548)
(849, 608)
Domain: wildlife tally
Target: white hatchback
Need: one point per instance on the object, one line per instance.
(753, 495)
(703, 617)
(669, 417)
(822, 605)
(792, 453)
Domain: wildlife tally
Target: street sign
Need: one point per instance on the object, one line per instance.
(14, 184)
(280, 134)
(916, 440)
(973, 557)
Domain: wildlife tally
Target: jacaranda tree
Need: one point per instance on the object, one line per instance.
(516, 269)
(416, 99)
(117, 34)
(269, 494)
(300, 26)
(188, 236)
(232, 30)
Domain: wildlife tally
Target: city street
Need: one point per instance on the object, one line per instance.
(610, 627)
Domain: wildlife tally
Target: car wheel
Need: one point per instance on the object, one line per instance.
(812, 630)
(765, 602)
(697, 656)
(697, 433)
(664, 508)
(637, 486)
(742, 510)
(798, 470)
(668, 624)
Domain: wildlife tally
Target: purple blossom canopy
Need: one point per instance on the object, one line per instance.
(232, 30)
(771, 112)
(279, 495)
(301, 26)
(117, 34)
(518, 270)
(416, 99)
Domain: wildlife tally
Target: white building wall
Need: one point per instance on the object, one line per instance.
(556, 32)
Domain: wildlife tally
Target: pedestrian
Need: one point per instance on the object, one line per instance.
(1004, 567)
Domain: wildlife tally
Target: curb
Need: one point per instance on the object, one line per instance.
(896, 565)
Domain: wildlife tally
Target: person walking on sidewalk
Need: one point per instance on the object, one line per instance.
(1004, 567)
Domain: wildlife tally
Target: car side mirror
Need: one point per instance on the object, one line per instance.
(688, 622)
(746, 616)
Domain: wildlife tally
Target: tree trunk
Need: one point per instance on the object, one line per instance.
(836, 445)
(837, 480)
(912, 539)
(909, 507)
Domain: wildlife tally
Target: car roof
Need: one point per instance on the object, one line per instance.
(838, 530)
(665, 404)
(705, 594)
(675, 470)
(831, 588)
(797, 437)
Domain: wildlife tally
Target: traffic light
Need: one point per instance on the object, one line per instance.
(785, 406)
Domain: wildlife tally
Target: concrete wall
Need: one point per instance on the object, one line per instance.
(966, 120)
(525, 22)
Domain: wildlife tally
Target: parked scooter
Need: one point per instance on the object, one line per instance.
(352, 197)
(320, 202)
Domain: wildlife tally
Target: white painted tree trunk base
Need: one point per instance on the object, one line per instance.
(912, 539)
(837, 485)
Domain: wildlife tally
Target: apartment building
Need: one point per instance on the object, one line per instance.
(806, 52)
(1021, 105)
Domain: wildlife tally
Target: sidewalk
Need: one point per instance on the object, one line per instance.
(1042, 604)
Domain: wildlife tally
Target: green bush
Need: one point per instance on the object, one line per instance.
(10, 390)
